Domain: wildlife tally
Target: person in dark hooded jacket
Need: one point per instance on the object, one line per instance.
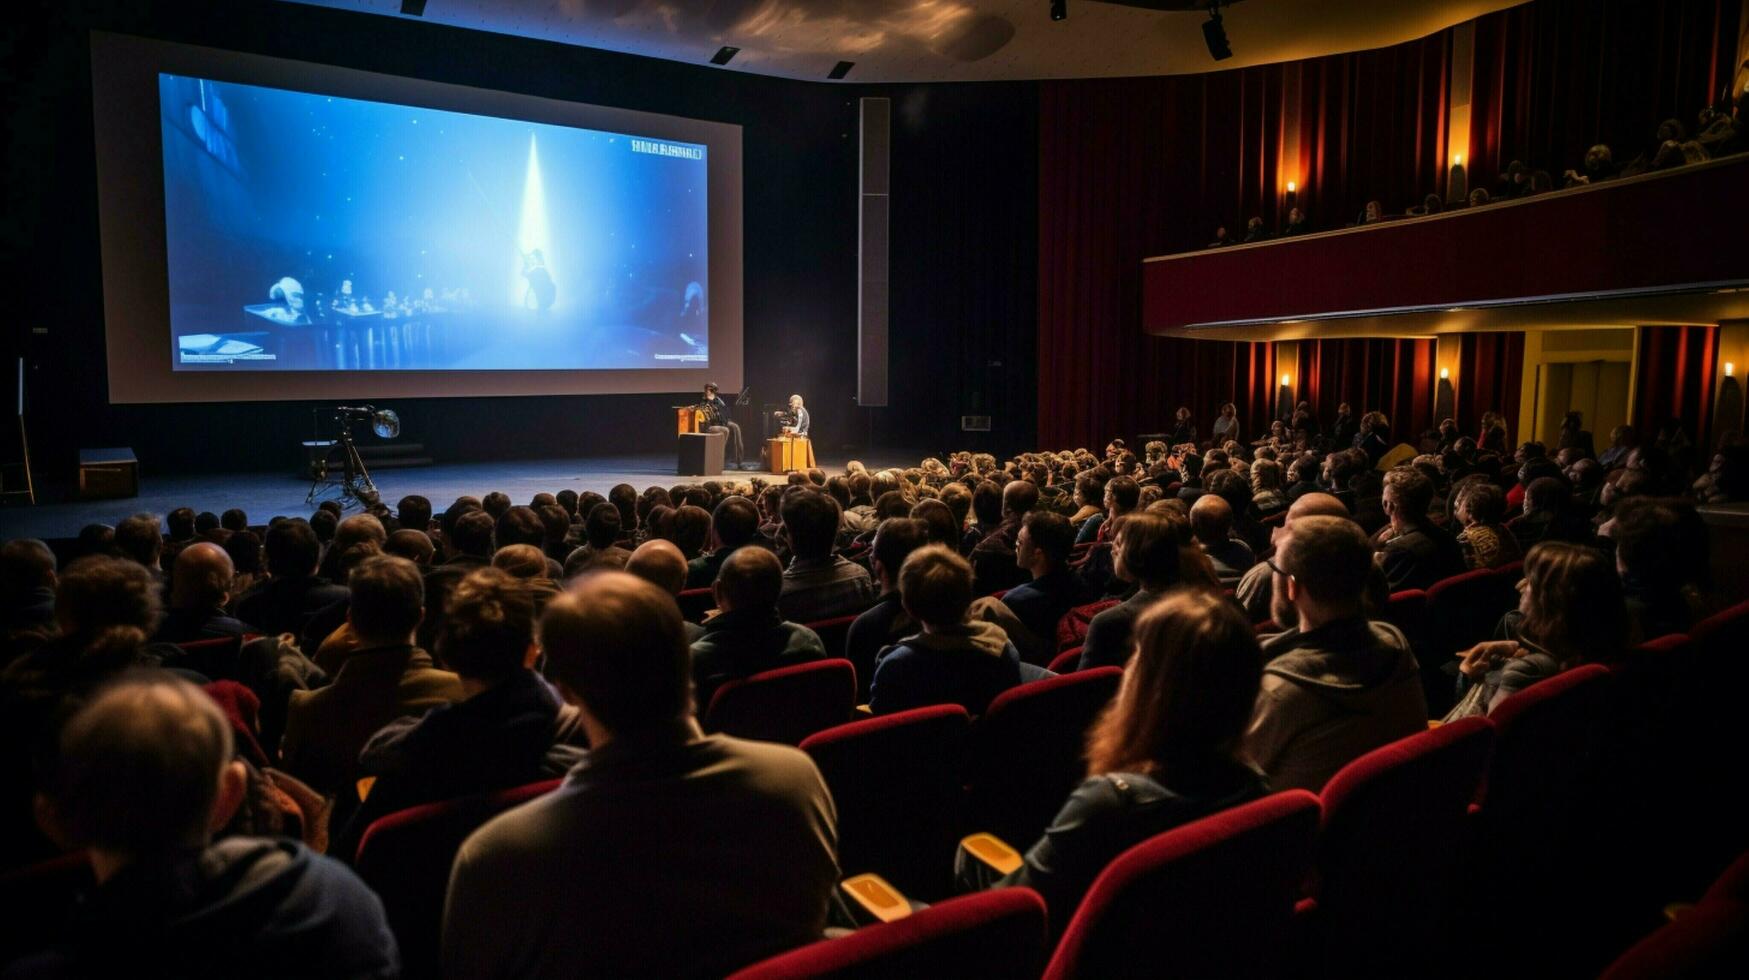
(749, 635)
(145, 773)
(954, 659)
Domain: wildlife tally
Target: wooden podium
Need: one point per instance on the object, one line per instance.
(786, 454)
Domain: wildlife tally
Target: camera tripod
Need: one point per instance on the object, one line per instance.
(353, 480)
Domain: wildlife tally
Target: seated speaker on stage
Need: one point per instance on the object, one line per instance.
(792, 449)
(795, 421)
(717, 420)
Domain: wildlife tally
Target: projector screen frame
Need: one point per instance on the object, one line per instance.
(134, 252)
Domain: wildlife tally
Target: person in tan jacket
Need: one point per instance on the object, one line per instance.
(385, 677)
(1335, 685)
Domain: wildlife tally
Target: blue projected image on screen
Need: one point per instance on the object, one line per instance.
(314, 233)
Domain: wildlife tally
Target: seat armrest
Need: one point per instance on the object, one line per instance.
(872, 899)
(992, 852)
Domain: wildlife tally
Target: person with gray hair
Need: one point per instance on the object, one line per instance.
(144, 776)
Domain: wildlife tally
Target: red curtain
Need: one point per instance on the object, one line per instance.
(1676, 379)
(1396, 377)
(1556, 76)
(1490, 376)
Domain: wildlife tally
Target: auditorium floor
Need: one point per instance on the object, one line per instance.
(264, 495)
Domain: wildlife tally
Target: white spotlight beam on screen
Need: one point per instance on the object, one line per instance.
(531, 230)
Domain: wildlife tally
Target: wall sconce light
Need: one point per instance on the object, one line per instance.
(1730, 369)
(1445, 374)
(1291, 187)
(1287, 380)
(1457, 160)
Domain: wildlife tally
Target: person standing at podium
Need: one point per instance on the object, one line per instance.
(719, 421)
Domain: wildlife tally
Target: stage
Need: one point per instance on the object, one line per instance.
(265, 495)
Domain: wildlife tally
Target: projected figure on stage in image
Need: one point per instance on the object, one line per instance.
(289, 294)
(692, 304)
(541, 289)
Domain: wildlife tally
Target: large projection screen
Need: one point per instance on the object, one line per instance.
(279, 230)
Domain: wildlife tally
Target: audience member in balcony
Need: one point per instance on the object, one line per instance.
(1211, 520)
(1374, 437)
(1514, 182)
(1413, 551)
(384, 678)
(1720, 132)
(1570, 612)
(747, 635)
(600, 550)
(993, 565)
(1226, 425)
(146, 773)
(1574, 435)
(1147, 554)
(199, 592)
(1431, 204)
(1165, 752)
(1220, 240)
(1373, 213)
(1335, 686)
(1539, 183)
(1478, 197)
(1599, 167)
(511, 727)
(818, 584)
(1255, 232)
(27, 591)
(1183, 429)
(1296, 223)
(1622, 440)
(953, 659)
(700, 853)
(1479, 506)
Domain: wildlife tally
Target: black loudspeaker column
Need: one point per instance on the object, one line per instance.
(871, 254)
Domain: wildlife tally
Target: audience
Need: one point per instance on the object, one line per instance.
(818, 584)
(952, 659)
(993, 565)
(1486, 543)
(383, 677)
(1165, 752)
(1148, 554)
(145, 774)
(292, 591)
(199, 592)
(734, 523)
(747, 635)
(666, 852)
(27, 589)
(1042, 550)
(1335, 685)
(1211, 520)
(1414, 551)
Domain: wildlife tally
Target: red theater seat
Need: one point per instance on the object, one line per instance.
(1066, 662)
(1214, 898)
(1710, 940)
(833, 633)
(1072, 628)
(993, 935)
(785, 705)
(405, 858)
(694, 603)
(896, 781)
(1391, 851)
(1027, 751)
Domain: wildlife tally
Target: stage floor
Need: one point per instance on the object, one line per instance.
(265, 495)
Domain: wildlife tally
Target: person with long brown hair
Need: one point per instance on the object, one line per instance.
(1164, 753)
(1570, 612)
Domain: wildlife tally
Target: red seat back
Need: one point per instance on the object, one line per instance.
(1543, 739)
(39, 899)
(993, 935)
(1066, 662)
(896, 782)
(1709, 941)
(833, 633)
(405, 858)
(1213, 898)
(216, 658)
(1463, 610)
(785, 705)
(1389, 850)
(1028, 751)
(1072, 628)
(1407, 611)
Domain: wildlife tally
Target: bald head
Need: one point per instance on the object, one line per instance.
(202, 577)
(1211, 518)
(1315, 505)
(661, 563)
(750, 578)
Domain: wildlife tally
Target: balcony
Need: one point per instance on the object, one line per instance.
(1666, 247)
